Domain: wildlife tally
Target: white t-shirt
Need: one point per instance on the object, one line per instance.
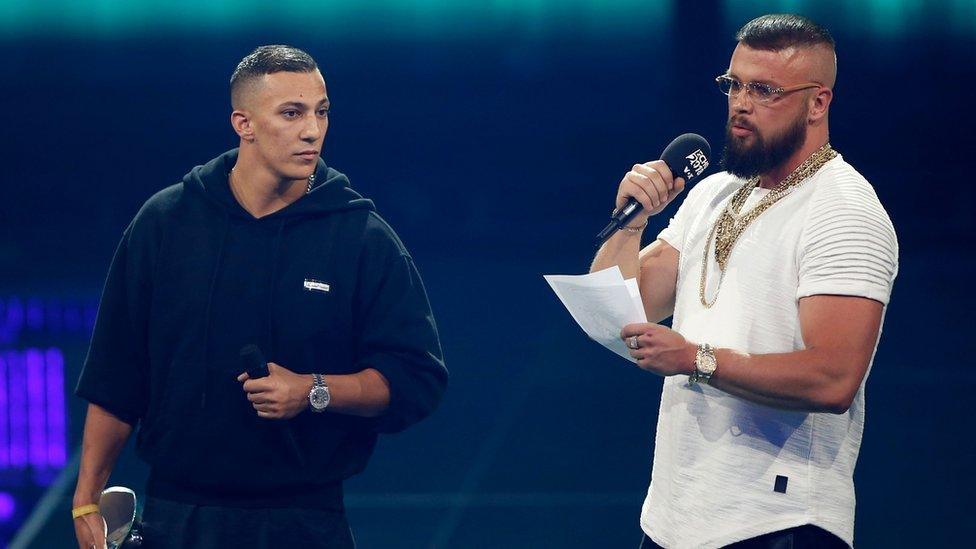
(717, 457)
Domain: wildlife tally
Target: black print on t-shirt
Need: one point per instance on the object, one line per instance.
(780, 485)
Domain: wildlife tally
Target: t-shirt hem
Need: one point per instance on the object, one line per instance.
(877, 294)
(725, 538)
(670, 238)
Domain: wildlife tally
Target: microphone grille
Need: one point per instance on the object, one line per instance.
(687, 156)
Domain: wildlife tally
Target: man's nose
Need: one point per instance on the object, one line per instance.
(311, 130)
(741, 102)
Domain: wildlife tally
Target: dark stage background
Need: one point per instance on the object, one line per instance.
(492, 138)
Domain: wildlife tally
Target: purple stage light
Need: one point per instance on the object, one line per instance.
(73, 317)
(35, 314)
(8, 505)
(33, 410)
(17, 397)
(53, 315)
(56, 417)
(33, 419)
(91, 312)
(4, 419)
(36, 420)
(13, 319)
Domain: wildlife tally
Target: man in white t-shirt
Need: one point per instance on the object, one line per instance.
(777, 272)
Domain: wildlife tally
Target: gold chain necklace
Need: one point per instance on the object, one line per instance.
(732, 223)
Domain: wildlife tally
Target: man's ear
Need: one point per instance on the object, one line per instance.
(819, 104)
(241, 122)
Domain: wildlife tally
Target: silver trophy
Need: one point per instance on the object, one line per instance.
(118, 507)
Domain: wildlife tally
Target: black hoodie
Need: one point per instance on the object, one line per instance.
(322, 285)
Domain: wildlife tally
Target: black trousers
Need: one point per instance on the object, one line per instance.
(171, 525)
(802, 537)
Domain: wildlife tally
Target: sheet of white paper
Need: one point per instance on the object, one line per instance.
(634, 291)
(602, 303)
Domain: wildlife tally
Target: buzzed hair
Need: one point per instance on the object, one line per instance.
(780, 31)
(268, 60)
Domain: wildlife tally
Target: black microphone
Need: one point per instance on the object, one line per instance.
(254, 363)
(686, 156)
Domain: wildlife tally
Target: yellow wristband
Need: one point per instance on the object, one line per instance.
(83, 510)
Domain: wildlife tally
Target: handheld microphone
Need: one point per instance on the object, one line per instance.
(254, 363)
(686, 156)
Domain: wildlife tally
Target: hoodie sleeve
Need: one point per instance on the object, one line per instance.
(115, 373)
(398, 335)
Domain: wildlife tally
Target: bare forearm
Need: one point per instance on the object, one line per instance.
(621, 249)
(655, 267)
(807, 380)
(365, 393)
(103, 439)
(840, 333)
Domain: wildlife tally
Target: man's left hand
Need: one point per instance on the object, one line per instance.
(660, 349)
(282, 394)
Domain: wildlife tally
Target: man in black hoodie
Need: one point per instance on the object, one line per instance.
(262, 245)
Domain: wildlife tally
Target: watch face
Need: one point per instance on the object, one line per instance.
(707, 365)
(319, 398)
(705, 360)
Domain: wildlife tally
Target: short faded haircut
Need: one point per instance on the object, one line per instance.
(779, 31)
(268, 60)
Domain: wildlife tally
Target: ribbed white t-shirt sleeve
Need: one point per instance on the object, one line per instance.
(674, 233)
(848, 246)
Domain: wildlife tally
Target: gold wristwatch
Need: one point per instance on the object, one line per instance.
(705, 364)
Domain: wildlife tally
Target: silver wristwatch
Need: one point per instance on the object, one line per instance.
(319, 397)
(705, 364)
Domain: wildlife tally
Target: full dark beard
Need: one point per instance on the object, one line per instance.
(748, 162)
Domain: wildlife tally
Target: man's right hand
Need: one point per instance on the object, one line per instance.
(651, 184)
(91, 530)
(656, 267)
(104, 437)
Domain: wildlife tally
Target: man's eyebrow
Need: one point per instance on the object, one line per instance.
(302, 106)
(766, 81)
(296, 104)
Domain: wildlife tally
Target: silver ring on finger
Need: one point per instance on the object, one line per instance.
(632, 342)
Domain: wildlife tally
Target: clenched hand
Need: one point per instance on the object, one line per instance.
(282, 394)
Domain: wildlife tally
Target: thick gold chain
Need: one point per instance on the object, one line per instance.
(731, 223)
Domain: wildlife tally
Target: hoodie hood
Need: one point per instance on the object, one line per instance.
(331, 192)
